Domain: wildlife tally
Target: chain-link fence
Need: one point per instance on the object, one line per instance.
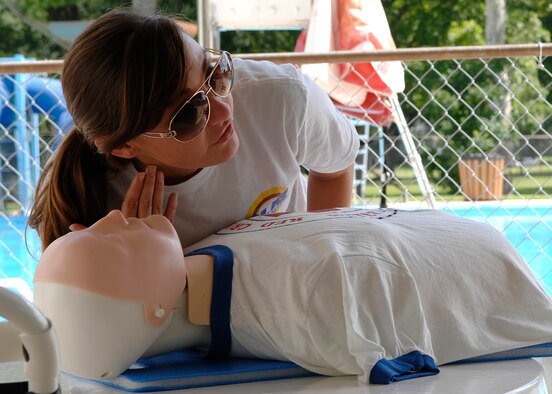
(470, 133)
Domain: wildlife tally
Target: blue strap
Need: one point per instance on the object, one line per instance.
(221, 336)
(409, 366)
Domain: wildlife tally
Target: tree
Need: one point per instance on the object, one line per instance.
(19, 38)
(442, 120)
(22, 21)
(56, 10)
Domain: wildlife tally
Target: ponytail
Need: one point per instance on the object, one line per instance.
(72, 189)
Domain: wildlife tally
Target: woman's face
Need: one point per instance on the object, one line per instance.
(216, 144)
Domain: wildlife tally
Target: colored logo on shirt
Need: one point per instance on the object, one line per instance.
(268, 201)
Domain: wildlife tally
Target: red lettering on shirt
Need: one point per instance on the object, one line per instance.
(238, 226)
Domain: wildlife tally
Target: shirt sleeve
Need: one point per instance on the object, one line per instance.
(328, 141)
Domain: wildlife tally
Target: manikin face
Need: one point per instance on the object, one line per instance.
(109, 291)
(128, 259)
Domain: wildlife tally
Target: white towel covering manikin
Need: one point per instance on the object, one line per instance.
(337, 291)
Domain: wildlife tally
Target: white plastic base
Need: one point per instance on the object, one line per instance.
(89, 349)
(517, 376)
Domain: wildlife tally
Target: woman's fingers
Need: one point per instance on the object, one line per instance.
(145, 196)
(145, 205)
(157, 202)
(132, 196)
(170, 210)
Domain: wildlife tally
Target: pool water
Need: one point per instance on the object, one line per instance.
(528, 228)
(17, 264)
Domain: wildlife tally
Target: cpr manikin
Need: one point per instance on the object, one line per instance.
(113, 289)
(339, 292)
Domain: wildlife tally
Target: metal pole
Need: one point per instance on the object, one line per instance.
(22, 145)
(206, 25)
(35, 149)
(385, 176)
(402, 54)
(412, 154)
(201, 22)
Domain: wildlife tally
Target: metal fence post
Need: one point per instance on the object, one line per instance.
(21, 136)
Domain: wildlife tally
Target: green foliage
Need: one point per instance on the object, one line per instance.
(428, 22)
(456, 105)
(266, 41)
(21, 39)
(467, 32)
(90, 9)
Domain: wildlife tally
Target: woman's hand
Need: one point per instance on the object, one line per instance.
(145, 196)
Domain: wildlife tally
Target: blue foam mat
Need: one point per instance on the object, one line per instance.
(189, 369)
(541, 350)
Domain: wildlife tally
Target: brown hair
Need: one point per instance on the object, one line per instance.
(118, 77)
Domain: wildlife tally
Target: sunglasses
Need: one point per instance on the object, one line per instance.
(192, 117)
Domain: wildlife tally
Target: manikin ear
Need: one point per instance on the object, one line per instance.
(125, 151)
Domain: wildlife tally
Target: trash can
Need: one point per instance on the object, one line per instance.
(481, 177)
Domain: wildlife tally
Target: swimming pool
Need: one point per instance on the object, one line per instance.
(17, 263)
(527, 227)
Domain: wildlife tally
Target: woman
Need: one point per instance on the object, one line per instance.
(162, 122)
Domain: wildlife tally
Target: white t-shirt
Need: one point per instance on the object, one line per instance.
(283, 121)
(337, 291)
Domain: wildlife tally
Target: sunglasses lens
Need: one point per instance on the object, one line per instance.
(191, 118)
(222, 79)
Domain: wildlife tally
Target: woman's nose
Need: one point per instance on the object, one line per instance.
(221, 108)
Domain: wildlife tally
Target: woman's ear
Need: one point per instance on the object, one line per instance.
(125, 151)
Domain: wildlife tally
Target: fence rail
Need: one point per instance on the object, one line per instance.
(401, 54)
(465, 114)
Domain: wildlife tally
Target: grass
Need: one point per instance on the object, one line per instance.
(529, 182)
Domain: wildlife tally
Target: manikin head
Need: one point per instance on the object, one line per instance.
(110, 290)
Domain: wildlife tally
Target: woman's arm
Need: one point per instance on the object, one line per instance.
(330, 190)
